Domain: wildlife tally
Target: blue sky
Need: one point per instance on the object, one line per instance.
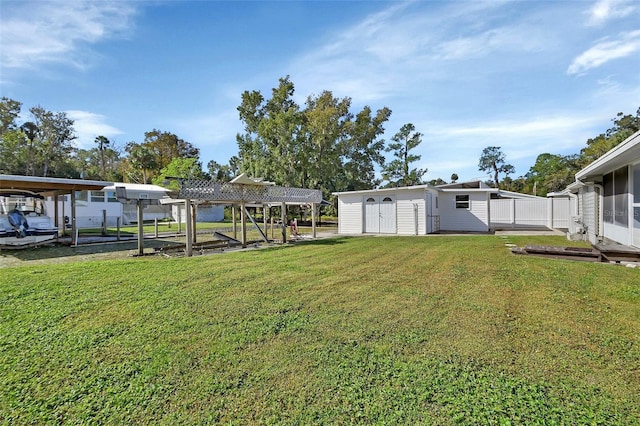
(528, 76)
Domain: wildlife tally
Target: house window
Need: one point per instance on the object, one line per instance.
(97, 196)
(462, 201)
(111, 197)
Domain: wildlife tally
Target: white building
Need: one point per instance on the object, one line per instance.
(92, 207)
(416, 210)
(457, 207)
(608, 196)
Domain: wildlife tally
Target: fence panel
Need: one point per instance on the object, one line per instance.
(530, 213)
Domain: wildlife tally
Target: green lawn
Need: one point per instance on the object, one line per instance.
(417, 330)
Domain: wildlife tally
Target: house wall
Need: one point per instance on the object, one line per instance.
(205, 213)
(474, 219)
(350, 214)
(89, 212)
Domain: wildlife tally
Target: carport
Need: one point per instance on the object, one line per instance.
(47, 186)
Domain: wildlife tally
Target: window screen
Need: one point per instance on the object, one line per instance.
(621, 190)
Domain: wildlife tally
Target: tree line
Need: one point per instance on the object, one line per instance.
(322, 144)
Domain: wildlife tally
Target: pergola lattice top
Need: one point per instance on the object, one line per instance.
(225, 192)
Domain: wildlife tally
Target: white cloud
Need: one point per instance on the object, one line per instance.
(519, 139)
(605, 51)
(89, 125)
(210, 131)
(33, 33)
(413, 45)
(605, 10)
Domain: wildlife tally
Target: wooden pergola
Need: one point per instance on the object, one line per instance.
(243, 191)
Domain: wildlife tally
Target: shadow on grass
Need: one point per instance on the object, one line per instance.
(108, 249)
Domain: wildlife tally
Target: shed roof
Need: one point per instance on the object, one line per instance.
(466, 187)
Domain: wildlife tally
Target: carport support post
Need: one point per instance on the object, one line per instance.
(56, 222)
(189, 243)
(284, 222)
(243, 224)
(313, 219)
(64, 223)
(74, 241)
(140, 228)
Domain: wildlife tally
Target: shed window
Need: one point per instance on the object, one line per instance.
(371, 200)
(462, 201)
(387, 200)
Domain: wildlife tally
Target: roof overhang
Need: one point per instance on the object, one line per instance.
(48, 185)
(617, 157)
(386, 190)
(471, 190)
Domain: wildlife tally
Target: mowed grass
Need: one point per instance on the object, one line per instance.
(434, 330)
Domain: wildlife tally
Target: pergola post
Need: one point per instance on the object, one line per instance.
(194, 212)
(264, 218)
(243, 224)
(313, 219)
(284, 222)
(189, 242)
(235, 223)
(140, 228)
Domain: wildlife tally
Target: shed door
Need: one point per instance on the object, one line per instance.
(388, 215)
(372, 214)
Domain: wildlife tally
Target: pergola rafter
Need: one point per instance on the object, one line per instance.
(237, 193)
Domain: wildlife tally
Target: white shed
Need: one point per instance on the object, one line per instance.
(415, 210)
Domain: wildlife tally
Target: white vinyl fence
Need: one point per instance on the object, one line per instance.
(530, 213)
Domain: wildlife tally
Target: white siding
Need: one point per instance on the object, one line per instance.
(89, 214)
(350, 219)
(589, 212)
(407, 204)
(475, 218)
